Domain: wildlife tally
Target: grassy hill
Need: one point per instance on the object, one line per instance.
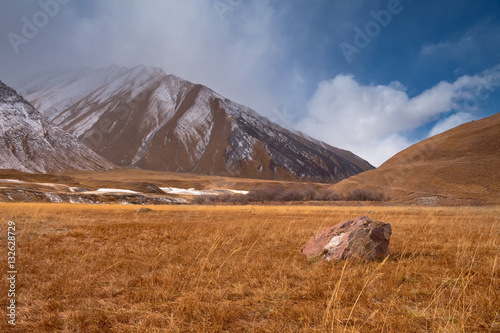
(461, 164)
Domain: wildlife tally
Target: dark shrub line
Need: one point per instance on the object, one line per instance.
(279, 193)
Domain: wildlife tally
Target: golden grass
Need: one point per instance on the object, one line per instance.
(108, 268)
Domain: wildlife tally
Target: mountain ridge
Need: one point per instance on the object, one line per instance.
(142, 117)
(30, 143)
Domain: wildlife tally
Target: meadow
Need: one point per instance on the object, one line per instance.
(110, 268)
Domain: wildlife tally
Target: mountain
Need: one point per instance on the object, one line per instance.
(144, 118)
(462, 163)
(29, 143)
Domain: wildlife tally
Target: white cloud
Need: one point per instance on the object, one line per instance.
(454, 120)
(369, 120)
(429, 49)
(380, 149)
(448, 47)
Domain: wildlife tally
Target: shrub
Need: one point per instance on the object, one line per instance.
(309, 193)
(238, 199)
(360, 194)
(268, 193)
(201, 200)
(328, 195)
(293, 195)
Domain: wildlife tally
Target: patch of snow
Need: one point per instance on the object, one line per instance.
(49, 184)
(238, 192)
(11, 181)
(115, 190)
(111, 190)
(53, 197)
(183, 191)
(192, 191)
(195, 126)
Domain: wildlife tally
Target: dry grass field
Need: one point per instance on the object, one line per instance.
(105, 268)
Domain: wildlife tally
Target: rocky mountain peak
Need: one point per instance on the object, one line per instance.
(9, 95)
(142, 117)
(29, 142)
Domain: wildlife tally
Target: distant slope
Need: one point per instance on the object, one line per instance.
(144, 118)
(462, 163)
(28, 142)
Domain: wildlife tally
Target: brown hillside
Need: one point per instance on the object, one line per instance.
(462, 163)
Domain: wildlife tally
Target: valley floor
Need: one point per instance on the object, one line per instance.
(111, 268)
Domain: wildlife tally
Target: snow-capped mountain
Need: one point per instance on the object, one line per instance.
(145, 118)
(28, 142)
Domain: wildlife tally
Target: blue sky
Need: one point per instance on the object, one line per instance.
(413, 68)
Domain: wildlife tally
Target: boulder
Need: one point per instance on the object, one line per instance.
(359, 238)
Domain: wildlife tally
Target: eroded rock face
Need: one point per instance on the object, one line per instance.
(30, 143)
(360, 238)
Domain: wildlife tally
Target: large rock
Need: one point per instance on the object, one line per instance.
(360, 238)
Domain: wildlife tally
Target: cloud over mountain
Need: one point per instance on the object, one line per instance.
(142, 117)
(370, 119)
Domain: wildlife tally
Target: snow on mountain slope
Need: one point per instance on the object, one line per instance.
(28, 142)
(145, 118)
